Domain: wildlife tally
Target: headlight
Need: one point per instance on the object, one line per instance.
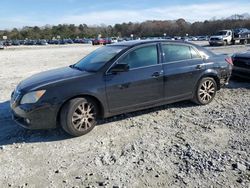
(32, 97)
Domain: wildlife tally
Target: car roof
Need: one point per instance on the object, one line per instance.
(139, 42)
(132, 43)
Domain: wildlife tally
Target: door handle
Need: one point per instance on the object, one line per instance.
(157, 74)
(124, 86)
(199, 66)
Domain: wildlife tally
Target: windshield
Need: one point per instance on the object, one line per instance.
(95, 60)
(222, 33)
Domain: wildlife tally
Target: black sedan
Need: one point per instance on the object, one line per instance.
(241, 67)
(116, 79)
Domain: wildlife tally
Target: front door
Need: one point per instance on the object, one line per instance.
(141, 85)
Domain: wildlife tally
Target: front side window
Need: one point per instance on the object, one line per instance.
(141, 57)
(174, 52)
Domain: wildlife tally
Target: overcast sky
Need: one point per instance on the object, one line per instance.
(19, 13)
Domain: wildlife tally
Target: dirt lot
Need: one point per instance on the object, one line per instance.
(177, 145)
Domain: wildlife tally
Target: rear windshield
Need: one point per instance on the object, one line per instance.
(202, 51)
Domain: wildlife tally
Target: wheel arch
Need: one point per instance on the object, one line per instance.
(99, 103)
(212, 74)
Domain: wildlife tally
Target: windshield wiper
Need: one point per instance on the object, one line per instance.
(80, 69)
(75, 67)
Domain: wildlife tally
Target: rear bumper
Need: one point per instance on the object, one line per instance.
(225, 75)
(224, 81)
(34, 117)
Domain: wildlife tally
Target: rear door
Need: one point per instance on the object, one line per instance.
(142, 85)
(182, 65)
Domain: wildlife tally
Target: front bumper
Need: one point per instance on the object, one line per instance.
(33, 116)
(214, 43)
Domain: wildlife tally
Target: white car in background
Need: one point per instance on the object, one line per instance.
(1, 46)
(114, 39)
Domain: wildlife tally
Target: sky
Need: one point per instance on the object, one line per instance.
(19, 13)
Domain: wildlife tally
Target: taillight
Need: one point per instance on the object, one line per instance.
(229, 60)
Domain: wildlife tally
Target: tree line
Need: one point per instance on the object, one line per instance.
(154, 28)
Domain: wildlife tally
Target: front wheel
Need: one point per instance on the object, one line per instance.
(205, 91)
(79, 116)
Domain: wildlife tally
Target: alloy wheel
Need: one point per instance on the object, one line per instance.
(207, 91)
(84, 116)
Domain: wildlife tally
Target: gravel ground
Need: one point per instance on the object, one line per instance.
(176, 145)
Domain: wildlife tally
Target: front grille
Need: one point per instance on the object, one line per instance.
(15, 97)
(215, 39)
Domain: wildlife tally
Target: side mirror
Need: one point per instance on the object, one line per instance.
(119, 68)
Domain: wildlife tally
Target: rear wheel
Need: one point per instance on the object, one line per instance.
(205, 91)
(78, 116)
(245, 42)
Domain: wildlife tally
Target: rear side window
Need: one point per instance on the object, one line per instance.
(141, 57)
(194, 54)
(173, 52)
(176, 52)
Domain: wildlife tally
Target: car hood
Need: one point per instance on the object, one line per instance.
(49, 77)
(218, 36)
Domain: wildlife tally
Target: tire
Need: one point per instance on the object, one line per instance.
(245, 42)
(225, 43)
(79, 116)
(205, 91)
